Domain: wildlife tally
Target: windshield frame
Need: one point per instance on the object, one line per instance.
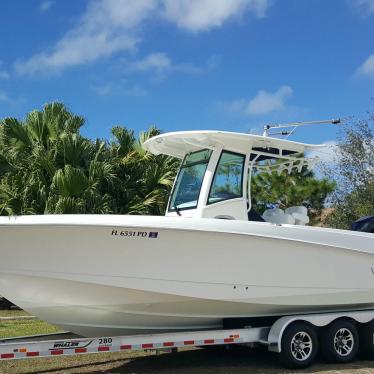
(171, 208)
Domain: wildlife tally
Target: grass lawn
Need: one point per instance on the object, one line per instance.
(15, 328)
(93, 363)
(13, 313)
(196, 361)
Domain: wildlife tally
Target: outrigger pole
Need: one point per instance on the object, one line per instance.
(295, 125)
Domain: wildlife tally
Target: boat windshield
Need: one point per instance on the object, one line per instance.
(190, 178)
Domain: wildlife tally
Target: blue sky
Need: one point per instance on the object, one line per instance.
(189, 64)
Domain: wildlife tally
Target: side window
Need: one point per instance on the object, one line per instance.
(228, 178)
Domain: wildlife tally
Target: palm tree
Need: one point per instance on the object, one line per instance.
(47, 166)
(148, 188)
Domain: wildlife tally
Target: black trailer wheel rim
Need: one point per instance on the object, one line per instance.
(301, 346)
(343, 342)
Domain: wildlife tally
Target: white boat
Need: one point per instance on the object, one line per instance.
(201, 264)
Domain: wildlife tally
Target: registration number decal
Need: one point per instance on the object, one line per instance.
(135, 234)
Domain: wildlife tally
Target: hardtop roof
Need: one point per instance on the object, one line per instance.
(178, 144)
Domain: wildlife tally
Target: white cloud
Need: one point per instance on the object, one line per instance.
(367, 68)
(121, 88)
(235, 106)
(266, 102)
(105, 28)
(365, 6)
(74, 50)
(45, 5)
(137, 90)
(160, 64)
(263, 103)
(112, 26)
(198, 15)
(154, 61)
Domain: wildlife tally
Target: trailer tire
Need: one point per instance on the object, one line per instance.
(366, 332)
(299, 345)
(339, 341)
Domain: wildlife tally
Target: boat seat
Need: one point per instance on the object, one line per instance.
(296, 215)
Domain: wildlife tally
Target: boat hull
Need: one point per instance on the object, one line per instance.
(108, 275)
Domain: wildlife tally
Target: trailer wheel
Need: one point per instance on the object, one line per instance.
(366, 332)
(339, 342)
(299, 345)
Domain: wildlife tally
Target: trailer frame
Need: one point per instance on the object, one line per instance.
(64, 347)
(270, 336)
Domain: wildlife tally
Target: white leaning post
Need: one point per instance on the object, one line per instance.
(125, 343)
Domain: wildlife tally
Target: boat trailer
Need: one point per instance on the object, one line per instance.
(277, 337)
